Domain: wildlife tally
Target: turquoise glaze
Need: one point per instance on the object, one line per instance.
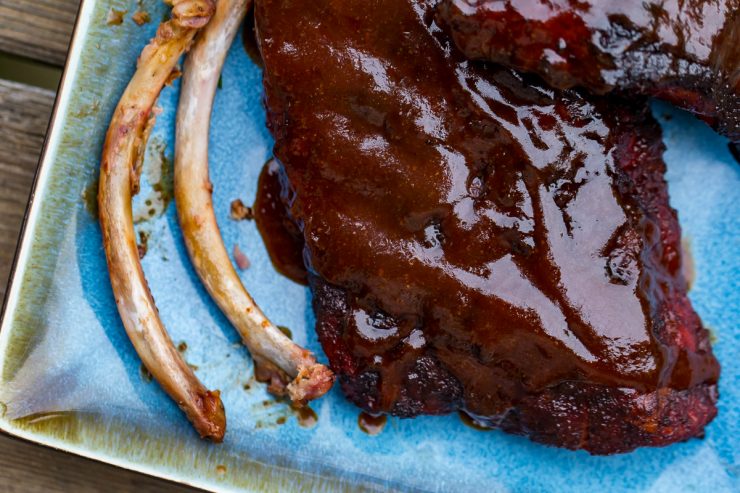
(70, 378)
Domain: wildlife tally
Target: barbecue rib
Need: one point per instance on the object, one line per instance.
(476, 241)
(120, 165)
(684, 51)
(290, 370)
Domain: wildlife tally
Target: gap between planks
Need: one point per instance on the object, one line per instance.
(24, 116)
(37, 29)
(25, 467)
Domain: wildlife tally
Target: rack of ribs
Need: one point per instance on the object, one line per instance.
(477, 241)
(684, 51)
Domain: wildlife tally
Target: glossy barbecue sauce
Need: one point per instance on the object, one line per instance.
(598, 43)
(684, 51)
(282, 238)
(473, 217)
(470, 422)
(372, 425)
(249, 39)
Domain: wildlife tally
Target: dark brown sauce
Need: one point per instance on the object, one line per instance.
(285, 330)
(468, 421)
(372, 425)
(282, 238)
(683, 51)
(466, 219)
(307, 417)
(145, 373)
(249, 39)
(143, 244)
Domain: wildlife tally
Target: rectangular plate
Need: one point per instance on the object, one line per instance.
(70, 379)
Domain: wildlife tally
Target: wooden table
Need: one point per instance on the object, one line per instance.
(39, 30)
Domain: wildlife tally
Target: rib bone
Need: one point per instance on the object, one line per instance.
(289, 368)
(125, 141)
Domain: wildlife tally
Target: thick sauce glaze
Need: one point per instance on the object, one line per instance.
(686, 51)
(473, 219)
(282, 237)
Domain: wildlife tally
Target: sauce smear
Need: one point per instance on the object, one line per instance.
(307, 417)
(372, 425)
(249, 39)
(283, 240)
(470, 422)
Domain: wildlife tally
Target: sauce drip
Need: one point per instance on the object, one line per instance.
(282, 238)
(249, 39)
(468, 421)
(285, 330)
(372, 425)
(307, 417)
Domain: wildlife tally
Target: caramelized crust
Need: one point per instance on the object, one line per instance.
(684, 51)
(477, 241)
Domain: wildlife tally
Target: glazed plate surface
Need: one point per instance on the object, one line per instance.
(70, 379)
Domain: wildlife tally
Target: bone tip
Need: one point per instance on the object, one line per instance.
(311, 383)
(193, 14)
(211, 421)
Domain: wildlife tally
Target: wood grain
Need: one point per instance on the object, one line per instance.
(40, 30)
(37, 29)
(28, 468)
(24, 467)
(24, 115)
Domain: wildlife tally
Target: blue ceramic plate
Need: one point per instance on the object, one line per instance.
(71, 380)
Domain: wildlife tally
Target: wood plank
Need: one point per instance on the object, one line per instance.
(38, 29)
(24, 115)
(24, 467)
(29, 468)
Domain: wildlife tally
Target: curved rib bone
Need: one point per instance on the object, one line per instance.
(124, 145)
(290, 369)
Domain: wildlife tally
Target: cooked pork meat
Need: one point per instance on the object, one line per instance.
(476, 241)
(684, 51)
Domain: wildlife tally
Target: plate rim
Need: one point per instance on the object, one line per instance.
(17, 270)
(19, 265)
